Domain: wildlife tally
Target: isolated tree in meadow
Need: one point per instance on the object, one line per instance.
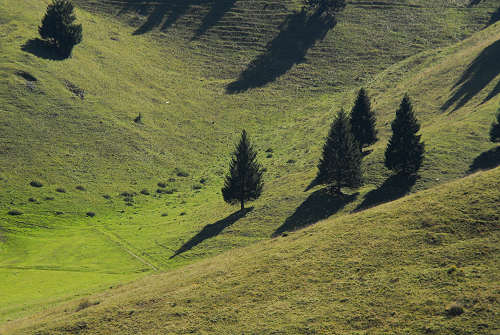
(363, 120)
(58, 27)
(244, 180)
(340, 165)
(325, 6)
(405, 151)
(495, 129)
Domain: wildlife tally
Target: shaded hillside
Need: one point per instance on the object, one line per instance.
(389, 270)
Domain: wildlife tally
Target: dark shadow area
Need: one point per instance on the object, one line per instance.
(495, 17)
(298, 33)
(487, 160)
(212, 230)
(318, 206)
(477, 76)
(473, 3)
(219, 8)
(393, 188)
(42, 49)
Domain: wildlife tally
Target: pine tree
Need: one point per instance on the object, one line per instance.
(405, 151)
(495, 129)
(363, 120)
(58, 27)
(244, 181)
(340, 165)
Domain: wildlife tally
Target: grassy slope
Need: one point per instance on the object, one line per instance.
(391, 269)
(51, 136)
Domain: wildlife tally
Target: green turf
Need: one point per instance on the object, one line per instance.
(190, 123)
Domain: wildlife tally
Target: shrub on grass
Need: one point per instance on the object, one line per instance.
(60, 190)
(145, 192)
(171, 180)
(454, 309)
(203, 180)
(106, 196)
(49, 198)
(162, 184)
(164, 214)
(90, 214)
(14, 212)
(35, 183)
(80, 188)
(58, 27)
(166, 190)
(32, 200)
(181, 173)
(197, 187)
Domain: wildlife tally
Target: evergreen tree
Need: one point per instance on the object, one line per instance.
(340, 165)
(244, 181)
(405, 151)
(495, 129)
(363, 120)
(58, 27)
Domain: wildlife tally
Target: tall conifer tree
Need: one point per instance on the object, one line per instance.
(405, 151)
(363, 120)
(495, 129)
(244, 181)
(340, 165)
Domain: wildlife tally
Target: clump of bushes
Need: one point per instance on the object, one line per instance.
(90, 214)
(14, 212)
(454, 309)
(166, 190)
(171, 180)
(162, 184)
(145, 192)
(36, 183)
(32, 200)
(106, 196)
(80, 188)
(60, 190)
(49, 198)
(181, 173)
(203, 180)
(197, 187)
(164, 214)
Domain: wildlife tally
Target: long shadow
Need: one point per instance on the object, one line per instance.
(298, 33)
(318, 206)
(487, 160)
(212, 230)
(495, 17)
(219, 8)
(42, 49)
(477, 76)
(393, 188)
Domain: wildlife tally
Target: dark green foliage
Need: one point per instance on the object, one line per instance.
(363, 120)
(14, 212)
(90, 214)
(340, 165)
(58, 27)
(144, 192)
(329, 6)
(181, 173)
(35, 183)
(60, 190)
(405, 151)
(162, 184)
(495, 130)
(244, 181)
(80, 188)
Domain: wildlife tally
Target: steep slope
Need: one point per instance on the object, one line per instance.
(392, 269)
(49, 134)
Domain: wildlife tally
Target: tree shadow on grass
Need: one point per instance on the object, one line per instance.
(298, 33)
(477, 76)
(495, 17)
(219, 8)
(212, 230)
(42, 49)
(487, 160)
(393, 188)
(320, 205)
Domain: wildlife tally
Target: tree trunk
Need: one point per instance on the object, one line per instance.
(242, 202)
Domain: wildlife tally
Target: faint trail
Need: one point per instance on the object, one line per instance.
(122, 245)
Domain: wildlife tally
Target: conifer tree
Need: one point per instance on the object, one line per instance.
(495, 129)
(340, 165)
(405, 151)
(244, 181)
(363, 120)
(58, 27)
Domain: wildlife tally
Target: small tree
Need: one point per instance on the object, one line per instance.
(340, 165)
(495, 129)
(329, 6)
(58, 28)
(405, 151)
(244, 181)
(363, 120)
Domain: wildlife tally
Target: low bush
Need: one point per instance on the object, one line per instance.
(49, 198)
(32, 200)
(181, 173)
(35, 183)
(90, 214)
(80, 188)
(197, 187)
(145, 192)
(162, 184)
(60, 190)
(203, 180)
(14, 212)
(454, 309)
(106, 196)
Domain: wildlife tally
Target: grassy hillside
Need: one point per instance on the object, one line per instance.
(178, 82)
(393, 269)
